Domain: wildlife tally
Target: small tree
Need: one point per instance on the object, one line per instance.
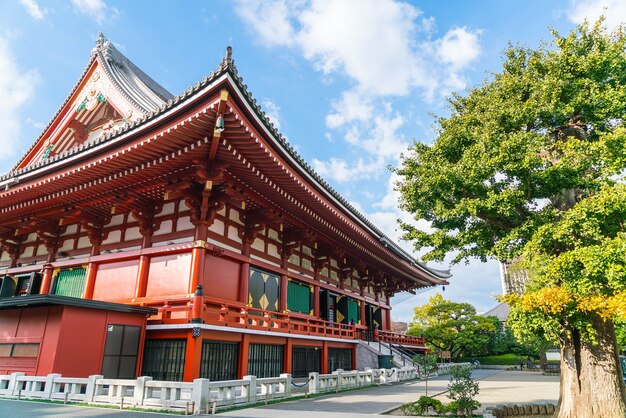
(462, 389)
(428, 365)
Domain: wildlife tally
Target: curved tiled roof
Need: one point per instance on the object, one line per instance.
(133, 83)
(227, 66)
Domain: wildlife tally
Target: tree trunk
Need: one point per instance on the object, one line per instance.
(591, 380)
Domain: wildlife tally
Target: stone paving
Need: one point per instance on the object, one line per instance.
(497, 387)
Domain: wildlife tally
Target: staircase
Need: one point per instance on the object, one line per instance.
(402, 347)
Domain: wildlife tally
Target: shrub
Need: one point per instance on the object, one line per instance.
(462, 389)
(423, 406)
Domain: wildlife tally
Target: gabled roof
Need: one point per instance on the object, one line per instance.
(115, 78)
(501, 311)
(128, 75)
(138, 87)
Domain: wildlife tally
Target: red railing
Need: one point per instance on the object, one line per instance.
(393, 338)
(236, 315)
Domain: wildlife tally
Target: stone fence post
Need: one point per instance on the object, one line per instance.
(287, 387)
(49, 385)
(13, 384)
(314, 382)
(139, 392)
(200, 393)
(250, 391)
(90, 390)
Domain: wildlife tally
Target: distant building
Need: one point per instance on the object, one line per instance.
(513, 279)
(399, 327)
(501, 311)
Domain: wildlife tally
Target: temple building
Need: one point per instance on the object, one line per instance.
(181, 237)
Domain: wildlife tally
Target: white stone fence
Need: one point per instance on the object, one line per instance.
(201, 395)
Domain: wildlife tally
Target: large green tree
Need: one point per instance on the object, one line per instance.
(454, 327)
(527, 167)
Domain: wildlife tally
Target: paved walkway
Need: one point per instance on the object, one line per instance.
(496, 387)
(21, 409)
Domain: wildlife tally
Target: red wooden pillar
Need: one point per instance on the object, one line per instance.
(243, 355)
(198, 257)
(144, 265)
(288, 356)
(46, 280)
(90, 280)
(282, 302)
(142, 276)
(92, 271)
(324, 357)
(48, 270)
(316, 300)
(193, 356)
(244, 275)
(354, 357)
(362, 313)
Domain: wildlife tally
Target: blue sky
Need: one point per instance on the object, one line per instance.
(350, 83)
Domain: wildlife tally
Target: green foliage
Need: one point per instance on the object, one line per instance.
(428, 363)
(462, 389)
(509, 359)
(452, 326)
(530, 166)
(620, 333)
(423, 406)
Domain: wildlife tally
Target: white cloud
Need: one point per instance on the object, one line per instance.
(272, 110)
(341, 171)
(373, 42)
(352, 106)
(34, 10)
(459, 47)
(17, 87)
(271, 21)
(385, 49)
(613, 10)
(96, 9)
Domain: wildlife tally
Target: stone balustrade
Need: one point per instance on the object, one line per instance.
(201, 395)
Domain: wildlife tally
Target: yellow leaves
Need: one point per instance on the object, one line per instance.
(556, 301)
(549, 300)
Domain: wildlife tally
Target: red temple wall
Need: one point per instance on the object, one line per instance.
(221, 278)
(169, 275)
(116, 280)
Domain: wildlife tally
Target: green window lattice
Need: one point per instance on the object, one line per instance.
(70, 282)
(298, 297)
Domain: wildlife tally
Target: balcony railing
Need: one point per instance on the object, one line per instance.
(399, 339)
(238, 315)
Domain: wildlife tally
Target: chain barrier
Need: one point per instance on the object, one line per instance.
(390, 374)
(301, 385)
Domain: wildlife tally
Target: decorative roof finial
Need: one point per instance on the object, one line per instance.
(100, 40)
(229, 54)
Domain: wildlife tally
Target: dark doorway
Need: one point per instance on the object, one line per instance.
(265, 360)
(339, 358)
(305, 360)
(219, 360)
(164, 359)
(120, 351)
